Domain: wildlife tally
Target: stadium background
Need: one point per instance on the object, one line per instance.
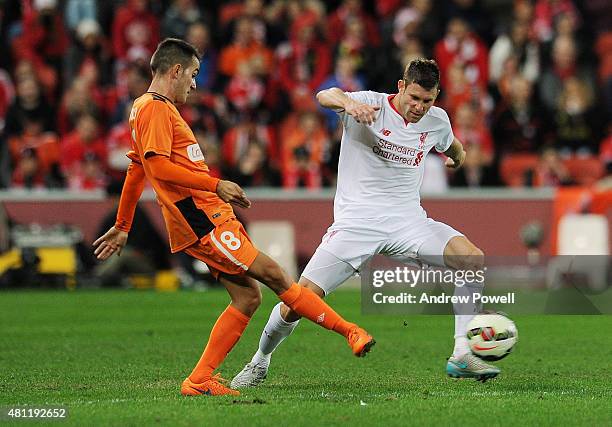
(533, 110)
(527, 84)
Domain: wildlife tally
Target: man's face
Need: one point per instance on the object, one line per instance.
(186, 81)
(198, 36)
(414, 100)
(87, 127)
(457, 29)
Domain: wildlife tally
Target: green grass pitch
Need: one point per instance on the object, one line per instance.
(118, 358)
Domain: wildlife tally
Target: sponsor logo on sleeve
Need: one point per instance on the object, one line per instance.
(194, 152)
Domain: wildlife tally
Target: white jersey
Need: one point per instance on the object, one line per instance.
(381, 165)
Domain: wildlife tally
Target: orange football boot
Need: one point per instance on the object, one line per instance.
(211, 387)
(360, 341)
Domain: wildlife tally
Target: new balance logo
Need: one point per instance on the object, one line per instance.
(321, 318)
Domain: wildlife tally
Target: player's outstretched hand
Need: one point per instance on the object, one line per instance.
(454, 163)
(110, 242)
(231, 192)
(363, 113)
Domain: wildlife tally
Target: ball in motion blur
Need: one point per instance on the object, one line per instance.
(492, 336)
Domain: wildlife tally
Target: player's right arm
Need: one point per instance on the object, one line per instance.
(337, 100)
(116, 237)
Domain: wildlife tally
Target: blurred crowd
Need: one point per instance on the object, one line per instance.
(527, 84)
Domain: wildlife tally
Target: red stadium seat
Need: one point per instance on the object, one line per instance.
(584, 170)
(514, 168)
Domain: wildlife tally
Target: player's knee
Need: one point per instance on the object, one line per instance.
(474, 260)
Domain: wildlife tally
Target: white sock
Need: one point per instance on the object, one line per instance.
(261, 359)
(275, 331)
(464, 312)
(461, 342)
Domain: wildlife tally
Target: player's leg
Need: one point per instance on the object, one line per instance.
(443, 246)
(291, 316)
(324, 268)
(323, 274)
(281, 324)
(246, 298)
(307, 304)
(229, 249)
(459, 253)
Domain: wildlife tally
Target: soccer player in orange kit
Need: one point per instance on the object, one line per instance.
(200, 221)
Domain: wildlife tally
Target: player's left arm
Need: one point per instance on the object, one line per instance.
(455, 154)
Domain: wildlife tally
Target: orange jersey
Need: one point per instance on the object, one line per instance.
(157, 127)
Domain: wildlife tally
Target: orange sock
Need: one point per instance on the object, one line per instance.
(224, 335)
(308, 304)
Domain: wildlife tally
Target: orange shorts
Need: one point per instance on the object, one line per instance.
(226, 249)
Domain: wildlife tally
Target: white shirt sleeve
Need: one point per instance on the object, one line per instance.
(366, 96)
(446, 138)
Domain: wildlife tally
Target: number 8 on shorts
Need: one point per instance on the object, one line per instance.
(230, 240)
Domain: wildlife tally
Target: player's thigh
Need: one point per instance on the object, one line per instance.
(432, 249)
(326, 271)
(355, 242)
(342, 252)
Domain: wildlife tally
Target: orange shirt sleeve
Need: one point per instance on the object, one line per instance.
(165, 170)
(132, 189)
(133, 156)
(154, 127)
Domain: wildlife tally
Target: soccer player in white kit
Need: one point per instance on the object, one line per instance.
(377, 206)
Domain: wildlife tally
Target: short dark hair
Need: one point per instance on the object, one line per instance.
(170, 52)
(424, 72)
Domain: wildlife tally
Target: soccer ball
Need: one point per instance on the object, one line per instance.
(491, 336)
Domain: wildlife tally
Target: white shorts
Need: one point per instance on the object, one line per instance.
(347, 246)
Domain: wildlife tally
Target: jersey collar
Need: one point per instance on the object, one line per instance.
(159, 94)
(390, 98)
